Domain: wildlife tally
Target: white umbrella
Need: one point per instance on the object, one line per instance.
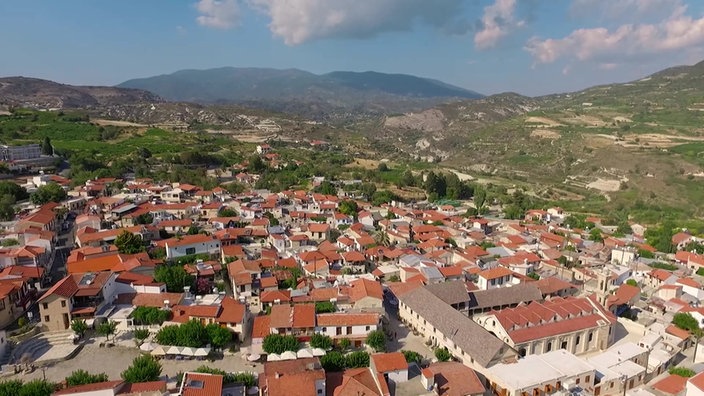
(272, 357)
(188, 351)
(158, 351)
(304, 353)
(253, 357)
(202, 352)
(174, 350)
(148, 346)
(318, 352)
(288, 355)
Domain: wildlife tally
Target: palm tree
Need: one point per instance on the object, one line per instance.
(382, 238)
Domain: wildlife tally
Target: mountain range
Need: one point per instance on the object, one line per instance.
(301, 92)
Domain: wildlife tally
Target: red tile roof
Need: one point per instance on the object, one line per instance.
(362, 288)
(392, 361)
(556, 316)
(672, 384)
(211, 384)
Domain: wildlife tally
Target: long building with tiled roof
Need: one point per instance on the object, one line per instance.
(578, 325)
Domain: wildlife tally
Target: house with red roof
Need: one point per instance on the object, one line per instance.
(192, 244)
(366, 294)
(296, 319)
(76, 296)
(578, 325)
(224, 311)
(392, 365)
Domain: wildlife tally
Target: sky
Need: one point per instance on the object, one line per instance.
(532, 47)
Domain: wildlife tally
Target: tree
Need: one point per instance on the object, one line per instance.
(348, 207)
(144, 218)
(394, 278)
(13, 189)
(47, 148)
(50, 192)
(7, 207)
(324, 307)
(697, 333)
(277, 343)
(333, 361)
(326, 188)
(10, 388)
(382, 197)
(632, 282)
(412, 356)
(82, 377)
(442, 354)
(140, 335)
(228, 212)
(376, 340)
(107, 329)
(407, 179)
(79, 326)
(344, 343)
(321, 341)
(7, 242)
(479, 197)
(36, 388)
(357, 359)
(382, 167)
(129, 243)
(256, 164)
(174, 276)
(219, 336)
(144, 368)
(382, 238)
(149, 315)
(682, 371)
(595, 235)
(685, 321)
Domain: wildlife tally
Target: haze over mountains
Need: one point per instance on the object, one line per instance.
(301, 92)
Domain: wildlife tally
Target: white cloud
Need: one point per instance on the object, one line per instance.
(497, 22)
(299, 21)
(218, 14)
(678, 33)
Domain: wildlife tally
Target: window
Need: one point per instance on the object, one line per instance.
(577, 341)
(577, 381)
(587, 378)
(368, 328)
(548, 348)
(320, 391)
(45, 305)
(564, 345)
(46, 318)
(591, 337)
(63, 304)
(2, 304)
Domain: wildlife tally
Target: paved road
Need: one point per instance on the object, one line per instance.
(57, 268)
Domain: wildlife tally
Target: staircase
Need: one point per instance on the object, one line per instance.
(45, 348)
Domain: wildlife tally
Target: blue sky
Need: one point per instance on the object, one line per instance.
(528, 46)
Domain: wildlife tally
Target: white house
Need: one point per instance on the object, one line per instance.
(192, 244)
(391, 365)
(695, 385)
(541, 374)
(353, 326)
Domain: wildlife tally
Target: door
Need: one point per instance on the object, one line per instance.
(67, 323)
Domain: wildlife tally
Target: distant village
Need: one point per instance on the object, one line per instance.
(491, 306)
